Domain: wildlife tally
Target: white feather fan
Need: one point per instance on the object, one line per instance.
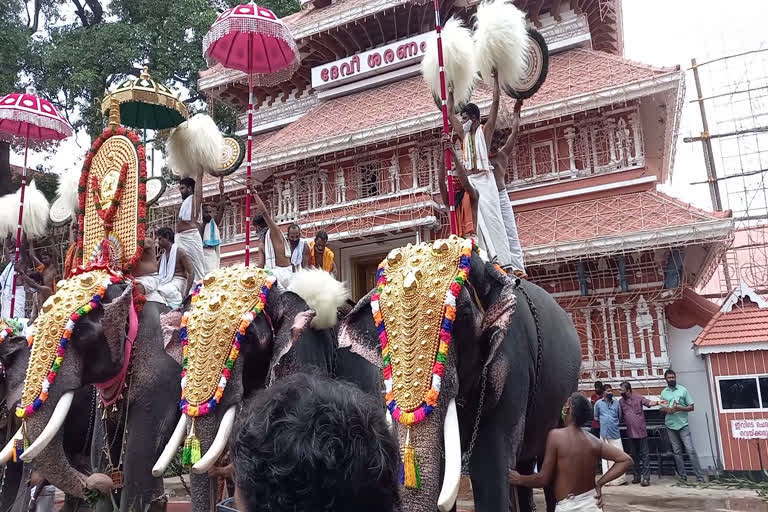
(67, 189)
(35, 221)
(501, 42)
(458, 57)
(324, 294)
(195, 146)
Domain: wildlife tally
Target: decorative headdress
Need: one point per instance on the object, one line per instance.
(414, 308)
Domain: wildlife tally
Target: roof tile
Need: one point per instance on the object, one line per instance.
(743, 324)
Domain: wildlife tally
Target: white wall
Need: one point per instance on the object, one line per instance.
(691, 372)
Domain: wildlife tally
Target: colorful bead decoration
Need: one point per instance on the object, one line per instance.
(418, 415)
(48, 380)
(239, 337)
(9, 327)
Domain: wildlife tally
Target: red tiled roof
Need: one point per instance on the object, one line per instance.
(572, 73)
(745, 323)
(605, 217)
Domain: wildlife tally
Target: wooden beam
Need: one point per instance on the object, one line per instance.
(423, 26)
(394, 17)
(408, 23)
(367, 34)
(347, 50)
(381, 29)
(351, 34)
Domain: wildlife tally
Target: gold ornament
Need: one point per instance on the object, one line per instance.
(412, 304)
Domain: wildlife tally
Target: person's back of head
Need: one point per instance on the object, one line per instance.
(581, 409)
(312, 444)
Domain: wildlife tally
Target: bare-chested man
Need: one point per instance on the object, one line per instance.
(275, 253)
(34, 281)
(175, 266)
(570, 459)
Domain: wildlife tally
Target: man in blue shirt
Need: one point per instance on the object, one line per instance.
(608, 413)
(676, 421)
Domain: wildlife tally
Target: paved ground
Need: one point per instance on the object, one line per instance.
(661, 496)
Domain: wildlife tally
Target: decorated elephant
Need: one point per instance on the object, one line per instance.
(241, 332)
(90, 333)
(77, 429)
(473, 361)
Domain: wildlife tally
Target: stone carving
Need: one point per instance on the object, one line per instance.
(394, 175)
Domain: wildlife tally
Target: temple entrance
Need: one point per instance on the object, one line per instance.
(364, 274)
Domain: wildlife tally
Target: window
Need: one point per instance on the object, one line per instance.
(743, 393)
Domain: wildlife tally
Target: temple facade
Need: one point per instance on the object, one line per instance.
(350, 145)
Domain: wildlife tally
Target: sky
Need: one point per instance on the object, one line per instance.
(656, 32)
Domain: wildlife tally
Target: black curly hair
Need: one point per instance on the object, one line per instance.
(581, 410)
(312, 444)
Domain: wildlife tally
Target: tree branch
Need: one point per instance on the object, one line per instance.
(180, 79)
(38, 6)
(194, 99)
(81, 13)
(97, 10)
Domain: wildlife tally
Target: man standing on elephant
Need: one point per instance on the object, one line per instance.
(632, 410)
(608, 412)
(675, 413)
(188, 226)
(569, 462)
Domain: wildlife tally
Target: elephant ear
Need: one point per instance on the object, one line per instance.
(10, 348)
(358, 332)
(499, 293)
(115, 324)
(290, 318)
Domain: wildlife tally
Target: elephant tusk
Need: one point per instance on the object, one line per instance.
(452, 444)
(389, 419)
(7, 452)
(218, 445)
(170, 448)
(51, 428)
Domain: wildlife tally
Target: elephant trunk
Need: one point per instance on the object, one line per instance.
(50, 460)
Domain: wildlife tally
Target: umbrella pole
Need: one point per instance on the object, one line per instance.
(446, 126)
(248, 175)
(17, 252)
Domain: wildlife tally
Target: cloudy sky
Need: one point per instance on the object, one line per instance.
(658, 32)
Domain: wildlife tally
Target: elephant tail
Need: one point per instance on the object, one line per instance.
(322, 293)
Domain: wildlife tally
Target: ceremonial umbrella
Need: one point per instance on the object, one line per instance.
(27, 117)
(252, 39)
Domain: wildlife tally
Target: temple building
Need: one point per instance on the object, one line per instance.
(350, 144)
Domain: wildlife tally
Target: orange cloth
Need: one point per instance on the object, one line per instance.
(465, 220)
(327, 257)
(69, 260)
(41, 268)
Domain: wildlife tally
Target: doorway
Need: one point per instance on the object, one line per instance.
(364, 275)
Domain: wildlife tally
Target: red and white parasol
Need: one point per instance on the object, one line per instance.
(252, 39)
(27, 117)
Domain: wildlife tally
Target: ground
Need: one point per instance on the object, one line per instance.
(662, 496)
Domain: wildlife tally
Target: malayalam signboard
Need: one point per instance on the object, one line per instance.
(749, 429)
(379, 60)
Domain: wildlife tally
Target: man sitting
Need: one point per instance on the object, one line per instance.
(320, 256)
(569, 462)
(313, 444)
(176, 273)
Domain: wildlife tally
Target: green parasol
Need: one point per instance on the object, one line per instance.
(145, 104)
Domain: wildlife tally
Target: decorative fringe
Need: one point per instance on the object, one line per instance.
(195, 147)
(20, 443)
(411, 472)
(191, 453)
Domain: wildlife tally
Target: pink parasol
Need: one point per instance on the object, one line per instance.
(27, 117)
(252, 39)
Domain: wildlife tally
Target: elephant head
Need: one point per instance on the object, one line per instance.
(434, 330)
(84, 337)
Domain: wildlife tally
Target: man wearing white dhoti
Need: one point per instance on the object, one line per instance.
(187, 236)
(6, 293)
(212, 214)
(476, 138)
(277, 252)
(175, 275)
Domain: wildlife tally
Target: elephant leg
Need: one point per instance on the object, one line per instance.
(524, 494)
(489, 468)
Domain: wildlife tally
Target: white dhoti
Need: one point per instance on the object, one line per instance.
(284, 275)
(584, 502)
(6, 285)
(490, 226)
(191, 244)
(616, 443)
(171, 293)
(212, 258)
(508, 216)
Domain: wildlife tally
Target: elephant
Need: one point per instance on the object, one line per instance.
(144, 388)
(293, 333)
(77, 430)
(514, 358)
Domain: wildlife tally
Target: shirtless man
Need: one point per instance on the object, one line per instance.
(466, 227)
(183, 276)
(34, 281)
(275, 251)
(570, 459)
(45, 265)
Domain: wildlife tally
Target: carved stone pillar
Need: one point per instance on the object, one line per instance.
(287, 198)
(622, 142)
(323, 187)
(514, 158)
(279, 197)
(413, 154)
(341, 187)
(296, 188)
(570, 135)
(584, 132)
(610, 130)
(593, 146)
(394, 175)
(313, 190)
(637, 138)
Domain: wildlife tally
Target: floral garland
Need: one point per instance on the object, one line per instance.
(9, 327)
(142, 192)
(245, 321)
(94, 303)
(446, 328)
(108, 214)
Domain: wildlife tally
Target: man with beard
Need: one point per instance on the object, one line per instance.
(209, 231)
(299, 248)
(175, 268)
(187, 236)
(679, 404)
(273, 245)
